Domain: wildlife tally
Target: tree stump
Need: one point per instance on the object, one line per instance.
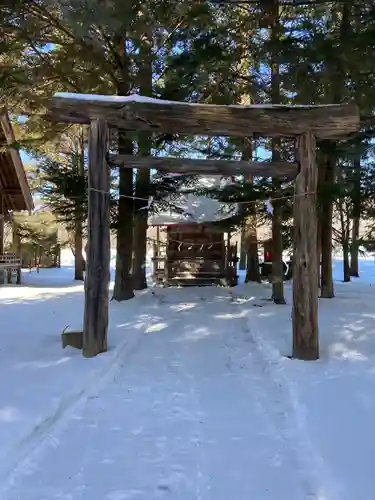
(73, 339)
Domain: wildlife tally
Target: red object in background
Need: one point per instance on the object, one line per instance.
(268, 256)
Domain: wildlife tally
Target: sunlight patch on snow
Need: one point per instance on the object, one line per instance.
(241, 299)
(340, 350)
(157, 327)
(125, 494)
(42, 364)
(367, 315)
(266, 314)
(136, 324)
(241, 314)
(35, 293)
(9, 414)
(355, 327)
(195, 334)
(183, 307)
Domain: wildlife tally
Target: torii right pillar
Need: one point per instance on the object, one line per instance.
(305, 278)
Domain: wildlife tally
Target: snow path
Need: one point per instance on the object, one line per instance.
(325, 485)
(193, 412)
(31, 354)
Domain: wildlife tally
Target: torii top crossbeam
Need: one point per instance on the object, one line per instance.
(137, 113)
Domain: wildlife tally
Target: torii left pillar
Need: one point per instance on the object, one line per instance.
(95, 323)
(305, 258)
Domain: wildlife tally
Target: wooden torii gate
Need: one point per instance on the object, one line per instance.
(137, 113)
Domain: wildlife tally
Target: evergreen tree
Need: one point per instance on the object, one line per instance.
(63, 187)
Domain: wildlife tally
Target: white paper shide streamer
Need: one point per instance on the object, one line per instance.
(149, 203)
(269, 207)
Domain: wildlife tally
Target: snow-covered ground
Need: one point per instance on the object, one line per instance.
(195, 398)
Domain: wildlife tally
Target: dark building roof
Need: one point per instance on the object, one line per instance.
(14, 187)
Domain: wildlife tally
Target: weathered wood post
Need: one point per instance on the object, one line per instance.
(157, 254)
(95, 323)
(155, 261)
(158, 239)
(167, 256)
(305, 278)
(1, 233)
(2, 215)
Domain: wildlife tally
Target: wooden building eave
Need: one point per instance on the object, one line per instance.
(15, 185)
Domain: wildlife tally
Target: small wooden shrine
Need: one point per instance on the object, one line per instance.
(196, 248)
(136, 113)
(195, 254)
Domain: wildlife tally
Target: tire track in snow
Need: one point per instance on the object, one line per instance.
(275, 420)
(321, 482)
(252, 382)
(291, 433)
(201, 477)
(22, 457)
(46, 435)
(266, 395)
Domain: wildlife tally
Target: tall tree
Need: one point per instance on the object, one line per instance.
(142, 185)
(123, 289)
(277, 240)
(335, 67)
(62, 175)
(356, 199)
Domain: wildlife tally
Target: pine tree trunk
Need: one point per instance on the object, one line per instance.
(327, 290)
(249, 259)
(249, 232)
(354, 264)
(277, 240)
(78, 246)
(319, 211)
(140, 230)
(277, 251)
(16, 239)
(336, 71)
(123, 288)
(354, 249)
(252, 258)
(319, 251)
(79, 263)
(58, 257)
(1, 233)
(346, 264)
(143, 175)
(242, 262)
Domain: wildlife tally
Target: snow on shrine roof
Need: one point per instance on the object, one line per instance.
(197, 209)
(137, 113)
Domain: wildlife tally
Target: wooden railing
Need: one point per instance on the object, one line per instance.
(10, 262)
(226, 270)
